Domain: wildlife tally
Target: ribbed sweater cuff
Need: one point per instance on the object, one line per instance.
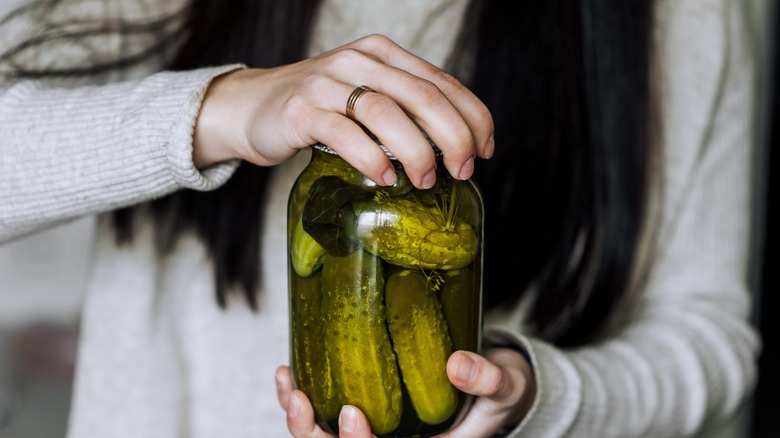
(558, 386)
(179, 146)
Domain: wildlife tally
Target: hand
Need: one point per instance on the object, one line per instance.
(300, 414)
(266, 116)
(503, 382)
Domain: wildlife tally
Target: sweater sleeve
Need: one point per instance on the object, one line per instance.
(68, 152)
(685, 357)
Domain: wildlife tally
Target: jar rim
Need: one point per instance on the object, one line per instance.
(324, 148)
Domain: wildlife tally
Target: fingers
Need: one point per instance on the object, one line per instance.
(353, 145)
(386, 119)
(382, 115)
(300, 414)
(474, 112)
(502, 381)
(476, 375)
(446, 123)
(453, 117)
(353, 423)
(300, 417)
(301, 423)
(504, 384)
(284, 385)
(265, 116)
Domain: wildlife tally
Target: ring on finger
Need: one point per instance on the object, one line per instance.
(352, 101)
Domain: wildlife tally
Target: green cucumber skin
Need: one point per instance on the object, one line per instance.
(311, 365)
(422, 344)
(306, 254)
(362, 361)
(460, 305)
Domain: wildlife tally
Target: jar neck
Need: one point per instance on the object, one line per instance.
(329, 157)
(325, 154)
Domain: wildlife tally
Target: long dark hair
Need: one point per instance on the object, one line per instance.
(229, 220)
(568, 83)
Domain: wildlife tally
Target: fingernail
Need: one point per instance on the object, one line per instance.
(490, 146)
(348, 419)
(467, 169)
(389, 177)
(429, 179)
(467, 369)
(294, 406)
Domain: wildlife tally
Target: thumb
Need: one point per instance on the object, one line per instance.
(503, 380)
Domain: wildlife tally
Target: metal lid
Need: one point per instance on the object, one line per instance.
(324, 148)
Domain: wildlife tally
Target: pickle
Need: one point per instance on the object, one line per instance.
(406, 233)
(305, 253)
(328, 165)
(311, 363)
(305, 249)
(421, 343)
(460, 304)
(363, 365)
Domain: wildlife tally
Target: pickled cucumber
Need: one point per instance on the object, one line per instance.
(460, 303)
(421, 343)
(327, 165)
(305, 253)
(363, 365)
(406, 233)
(310, 361)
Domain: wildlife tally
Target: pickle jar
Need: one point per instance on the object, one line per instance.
(384, 284)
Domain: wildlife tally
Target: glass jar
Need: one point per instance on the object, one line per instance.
(384, 284)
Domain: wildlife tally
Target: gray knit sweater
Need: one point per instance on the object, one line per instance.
(158, 358)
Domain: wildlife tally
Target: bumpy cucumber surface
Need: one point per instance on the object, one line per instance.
(309, 347)
(406, 233)
(421, 343)
(363, 365)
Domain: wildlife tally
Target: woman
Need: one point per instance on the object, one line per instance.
(627, 313)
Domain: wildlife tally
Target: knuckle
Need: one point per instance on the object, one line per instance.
(315, 82)
(495, 382)
(463, 139)
(342, 131)
(418, 159)
(376, 106)
(377, 40)
(296, 103)
(485, 118)
(346, 58)
(458, 144)
(428, 93)
(447, 83)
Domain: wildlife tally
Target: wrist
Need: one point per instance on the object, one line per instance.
(210, 144)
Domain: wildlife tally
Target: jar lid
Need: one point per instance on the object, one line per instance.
(324, 148)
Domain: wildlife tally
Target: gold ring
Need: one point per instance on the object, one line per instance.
(353, 99)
